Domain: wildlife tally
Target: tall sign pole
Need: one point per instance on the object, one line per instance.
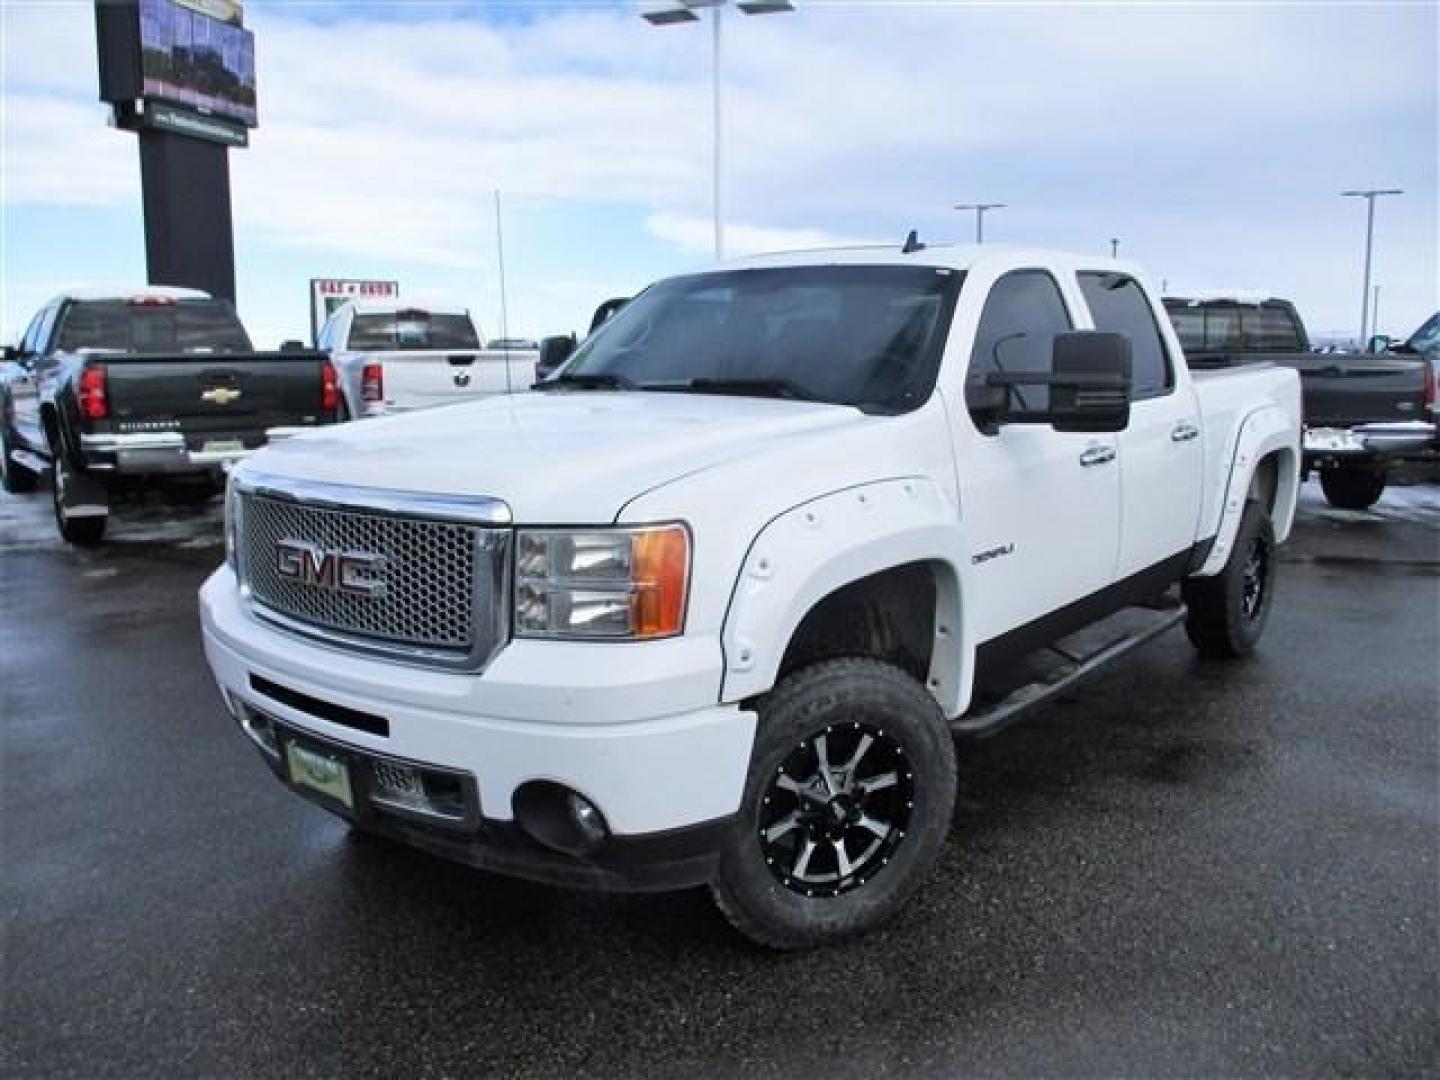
(181, 75)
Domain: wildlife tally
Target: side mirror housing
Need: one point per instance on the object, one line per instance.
(1089, 384)
(554, 351)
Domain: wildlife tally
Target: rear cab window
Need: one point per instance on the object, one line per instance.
(1118, 305)
(1230, 326)
(151, 327)
(411, 329)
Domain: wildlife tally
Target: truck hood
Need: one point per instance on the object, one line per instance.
(556, 457)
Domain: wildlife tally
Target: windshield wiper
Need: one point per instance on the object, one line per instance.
(778, 388)
(599, 380)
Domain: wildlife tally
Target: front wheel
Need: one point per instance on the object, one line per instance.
(15, 478)
(1352, 488)
(846, 806)
(1226, 613)
(87, 527)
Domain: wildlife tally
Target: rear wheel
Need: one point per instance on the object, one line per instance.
(849, 797)
(15, 478)
(1352, 488)
(1226, 613)
(85, 529)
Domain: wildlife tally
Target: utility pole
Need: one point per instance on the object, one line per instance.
(1369, 195)
(980, 209)
(1114, 247)
(1374, 317)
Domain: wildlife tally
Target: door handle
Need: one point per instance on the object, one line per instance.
(1097, 455)
(1184, 431)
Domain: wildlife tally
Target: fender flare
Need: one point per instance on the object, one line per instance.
(1268, 430)
(810, 551)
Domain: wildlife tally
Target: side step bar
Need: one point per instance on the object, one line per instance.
(994, 717)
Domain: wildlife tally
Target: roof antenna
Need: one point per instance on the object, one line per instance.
(912, 243)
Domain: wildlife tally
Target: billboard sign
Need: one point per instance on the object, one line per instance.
(327, 294)
(191, 58)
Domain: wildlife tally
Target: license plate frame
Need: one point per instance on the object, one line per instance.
(223, 446)
(323, 771)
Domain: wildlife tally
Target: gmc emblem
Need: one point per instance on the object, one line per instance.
(344, 571)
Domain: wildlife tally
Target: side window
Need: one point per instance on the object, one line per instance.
(1119, 306)
(1018, 324)
(32, 334)
(46, 337)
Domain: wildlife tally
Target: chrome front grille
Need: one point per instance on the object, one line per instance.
(431, 588)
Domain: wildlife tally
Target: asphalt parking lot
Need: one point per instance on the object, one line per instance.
(1180, 869)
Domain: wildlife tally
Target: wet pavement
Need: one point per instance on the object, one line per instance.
(1179, 869)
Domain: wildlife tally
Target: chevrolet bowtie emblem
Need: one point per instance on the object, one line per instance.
(220, 395)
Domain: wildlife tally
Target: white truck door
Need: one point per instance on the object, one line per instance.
(1041, 508)
(1161, 461)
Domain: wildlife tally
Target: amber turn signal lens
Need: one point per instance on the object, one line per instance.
(660, 571)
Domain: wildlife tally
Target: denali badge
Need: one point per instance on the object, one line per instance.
(993, 553)
(345, 571)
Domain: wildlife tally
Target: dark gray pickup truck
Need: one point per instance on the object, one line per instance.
(1361, 411)
(160, 386)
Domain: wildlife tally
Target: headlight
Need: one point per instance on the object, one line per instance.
(232, 513)
(601, 583)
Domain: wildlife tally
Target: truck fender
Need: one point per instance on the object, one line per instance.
(810, 551)
(1268, 430)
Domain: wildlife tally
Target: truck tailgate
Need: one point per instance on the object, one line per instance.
(418, 379)
(1342, 390)
(231, 395)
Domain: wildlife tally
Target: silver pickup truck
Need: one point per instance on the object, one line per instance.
(393, 357)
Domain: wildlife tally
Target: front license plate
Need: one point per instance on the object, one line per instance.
(1332, 439)
(320, 771)
(223, 446)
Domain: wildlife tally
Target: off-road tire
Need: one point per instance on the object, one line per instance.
(16, 479)
(1225, 617)
(1352, 489)
(840, 699)
(85, 531)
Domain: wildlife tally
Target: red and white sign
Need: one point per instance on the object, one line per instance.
(327, 294)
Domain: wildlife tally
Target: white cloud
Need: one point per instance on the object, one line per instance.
(1168, 124)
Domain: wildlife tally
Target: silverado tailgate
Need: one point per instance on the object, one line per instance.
(224, 396)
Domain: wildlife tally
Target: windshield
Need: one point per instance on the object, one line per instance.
(182, 326)
(1428, 336)
(393, 331)
(868, 336)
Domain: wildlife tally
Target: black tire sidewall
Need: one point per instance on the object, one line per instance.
(1245, 632)
(830, 694)
(1353, 488)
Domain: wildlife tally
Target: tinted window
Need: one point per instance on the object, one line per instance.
(412, 329)
(1119, 306)
(1189, 324)
(868, 336)
(173, 327)
(1022, 315)
(1428, 336)
(1269, 328)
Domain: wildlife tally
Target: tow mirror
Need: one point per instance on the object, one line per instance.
(11, 354)
(554, 351)
(1088, 383)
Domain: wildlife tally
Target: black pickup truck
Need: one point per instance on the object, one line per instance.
(160, 386)
(1361, 411)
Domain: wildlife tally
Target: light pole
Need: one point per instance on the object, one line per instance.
(980, 209)
(1114, 247)
(674, 12)
(1369, 196)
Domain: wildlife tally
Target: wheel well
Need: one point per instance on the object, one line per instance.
(1266, 481)
(886, 616)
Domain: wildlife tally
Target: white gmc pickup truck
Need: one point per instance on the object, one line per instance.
(710, 607)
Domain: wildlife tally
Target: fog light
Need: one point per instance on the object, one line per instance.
(586, 817)
(559, 818)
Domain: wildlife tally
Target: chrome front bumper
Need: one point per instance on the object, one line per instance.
(164, 452)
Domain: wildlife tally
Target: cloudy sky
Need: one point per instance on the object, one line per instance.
(1212, 139)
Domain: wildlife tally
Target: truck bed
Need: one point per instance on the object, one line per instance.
(1340, 390)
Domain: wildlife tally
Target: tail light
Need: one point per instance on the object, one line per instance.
(372, 384)
(94, 393)
(329, 388)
